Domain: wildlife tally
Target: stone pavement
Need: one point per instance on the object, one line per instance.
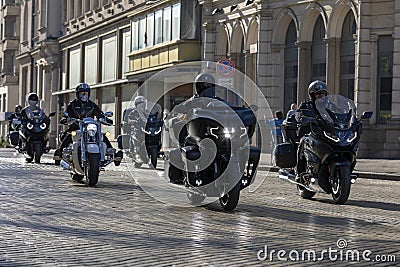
(46, 219)
(388, 169)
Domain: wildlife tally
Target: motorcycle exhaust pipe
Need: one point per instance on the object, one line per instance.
(65, 165)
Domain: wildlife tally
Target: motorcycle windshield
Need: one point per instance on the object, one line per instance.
(148, 108)
(337, 109)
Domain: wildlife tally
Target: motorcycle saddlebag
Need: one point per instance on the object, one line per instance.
(13, 138)
(285, 155)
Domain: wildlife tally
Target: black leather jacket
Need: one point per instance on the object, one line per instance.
(79, 109)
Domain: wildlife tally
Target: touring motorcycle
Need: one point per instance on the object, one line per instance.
(88, 154)
(329, 150)
(213, 158)
(142, 129)
(30, 137)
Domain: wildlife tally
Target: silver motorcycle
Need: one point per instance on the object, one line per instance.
(88, 154)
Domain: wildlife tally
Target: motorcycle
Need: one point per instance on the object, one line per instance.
(142, 129)
(88, 154)
(329, 150)
(32, 134)
(220, 134)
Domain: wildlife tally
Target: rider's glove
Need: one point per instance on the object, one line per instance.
(110, 121)
(63, 121)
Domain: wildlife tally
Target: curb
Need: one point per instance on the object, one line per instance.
(361, 174)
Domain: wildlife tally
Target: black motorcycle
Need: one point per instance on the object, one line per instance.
(142, 129)
(33, 134)
(328, 151)
(215, 159)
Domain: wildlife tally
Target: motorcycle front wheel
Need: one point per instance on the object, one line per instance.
(341, 184)
(153, 157)
(304, 193)
(38, 151)
(231, 199)
(92, 168)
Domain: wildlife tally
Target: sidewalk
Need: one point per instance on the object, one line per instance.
(387, 169)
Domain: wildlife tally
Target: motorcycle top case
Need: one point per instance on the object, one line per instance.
(285, 155)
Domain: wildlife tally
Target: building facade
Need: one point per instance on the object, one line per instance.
(9, 70)
(284, 45)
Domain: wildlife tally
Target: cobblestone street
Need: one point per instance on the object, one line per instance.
(47, 219)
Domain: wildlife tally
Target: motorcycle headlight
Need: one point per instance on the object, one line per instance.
(229, 132)
(158, 131)
(43, 126)
(331, 137)
(352, 137)
(91, 129)
(29, 126)
(144, 130)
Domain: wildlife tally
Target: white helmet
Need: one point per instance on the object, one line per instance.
(139, 100)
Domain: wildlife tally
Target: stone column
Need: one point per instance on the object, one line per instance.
(209, 40)
(333, 65)
(304, 70)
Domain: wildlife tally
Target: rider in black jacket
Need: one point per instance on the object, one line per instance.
(79, 108)
(316, 90)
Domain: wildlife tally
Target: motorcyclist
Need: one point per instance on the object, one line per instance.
(26, 113)
(15, 115)
(79, 108)
(316, 90)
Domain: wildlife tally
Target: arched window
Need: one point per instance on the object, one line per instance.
(347, 61)
(319, 51)
(291, 66)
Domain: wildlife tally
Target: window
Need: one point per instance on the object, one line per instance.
(105, 2)
(347, 58)
(319, 51)
(95, 4)
(158, 27)
(142, 33)
(291, 66)
(126, 45)
(176, 18)
(74, 66)
(65, 12)
(91, 63)
(86, 8)
(385, 76)
(79, 4)
(135, 35)
(167, 24)
(71, 9)
(109, 58)
(150, 30)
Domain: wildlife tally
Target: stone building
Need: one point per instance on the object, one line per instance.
(10, 36)
(284, 45)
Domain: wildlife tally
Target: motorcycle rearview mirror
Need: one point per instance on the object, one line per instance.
(254, 108)
(366, 115)
(109, 114)
(52, 114)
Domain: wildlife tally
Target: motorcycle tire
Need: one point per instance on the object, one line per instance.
(304, 193)
(341, 185)
(194, 198)
(153, 157)
(231, 199)
(77, 177)
(92, 168)
(38, 151)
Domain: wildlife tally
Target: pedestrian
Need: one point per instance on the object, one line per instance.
(292, 111)
(275, 126)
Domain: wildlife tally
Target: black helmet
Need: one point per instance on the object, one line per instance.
(204, 81)
(32, 99)
(82, 87)
(317, 87)
(18, 108)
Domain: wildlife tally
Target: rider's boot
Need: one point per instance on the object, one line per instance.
(118, 158)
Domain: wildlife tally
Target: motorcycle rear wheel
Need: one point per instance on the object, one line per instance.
(341, 184)
(231, 199)
(38, 151)
(92, 168)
